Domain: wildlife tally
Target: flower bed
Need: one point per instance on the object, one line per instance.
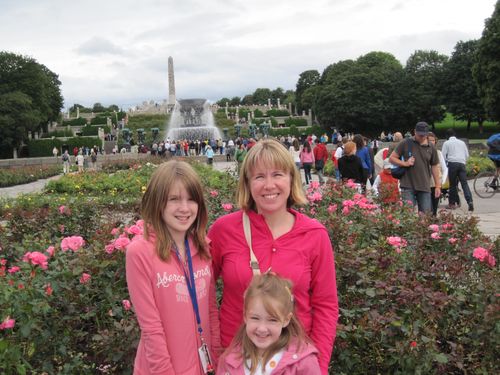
(24, 175)
(416, 295)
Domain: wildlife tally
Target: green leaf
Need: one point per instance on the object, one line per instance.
(441, 358)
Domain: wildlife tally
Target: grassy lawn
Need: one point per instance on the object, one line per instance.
(460, 127)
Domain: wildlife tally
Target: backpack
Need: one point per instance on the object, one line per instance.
(397, 171)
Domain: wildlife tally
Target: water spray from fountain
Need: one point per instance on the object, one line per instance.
(192, 119)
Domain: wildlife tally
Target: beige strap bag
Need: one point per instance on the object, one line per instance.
(254, 263)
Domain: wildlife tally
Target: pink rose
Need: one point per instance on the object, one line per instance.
(121, 243)
(115, 231)
(50, 250)
(452, 240)
(13, 269)
(480, 253)
(227, 207)
(85, 278)
(434, 227)
(315, 197)
(351, 184)
(126, 304)
(72, 243)
(135, 230)
(48, 289)
(36, 258)
(61, 209)
(214, 193)
(8, 323)
(110, 248)
(314, 185)
(140, 223)
(435, 236)
(396, 241)
(491, 260)
(332, 208)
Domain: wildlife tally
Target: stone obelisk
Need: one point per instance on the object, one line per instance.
(171, 84)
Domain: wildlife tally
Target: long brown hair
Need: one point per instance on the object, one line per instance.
(277, 298)
(155, 199)
(271, 153)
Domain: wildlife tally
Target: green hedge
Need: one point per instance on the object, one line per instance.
(90, 130)
(75, 122)
(295, 121)
(43, 147)
(99, 121)
(58, 133)
(278, 112)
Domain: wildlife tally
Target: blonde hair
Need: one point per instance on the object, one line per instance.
(155, 199)
(270, 153)
(350, 148)
(276, 296)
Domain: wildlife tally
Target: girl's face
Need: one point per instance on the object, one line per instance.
(432, 140)
(270, 189)
(180, 212)
(262, 328)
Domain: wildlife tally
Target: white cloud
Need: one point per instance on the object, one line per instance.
(116, 51)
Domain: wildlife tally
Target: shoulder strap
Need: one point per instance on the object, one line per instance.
(254, 263)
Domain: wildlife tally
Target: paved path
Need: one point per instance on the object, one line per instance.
(486, 210)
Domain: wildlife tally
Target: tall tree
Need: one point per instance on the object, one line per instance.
(424, 71)
(247, 100)
(487, 68)
(363, 95)
(235, 101)
(459, 88)
(261, 95)
(29, 97)
(222, 102)
(307, 79)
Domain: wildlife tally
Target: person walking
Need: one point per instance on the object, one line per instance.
(66, 162)
(455, 154)
(320, 158)
(421, 160)
(307, 160)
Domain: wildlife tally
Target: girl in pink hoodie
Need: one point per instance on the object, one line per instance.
(170, 277)
(271, 339)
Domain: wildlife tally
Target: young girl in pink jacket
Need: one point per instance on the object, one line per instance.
(170, 278)
(271, 339)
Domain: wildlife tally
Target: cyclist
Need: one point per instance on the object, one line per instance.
(493, 143)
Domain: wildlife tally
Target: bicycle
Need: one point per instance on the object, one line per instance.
(486, 184)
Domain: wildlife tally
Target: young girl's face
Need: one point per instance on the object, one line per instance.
(262, 328)
(181, 210)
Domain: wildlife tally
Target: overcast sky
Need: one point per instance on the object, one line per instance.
(115, 52)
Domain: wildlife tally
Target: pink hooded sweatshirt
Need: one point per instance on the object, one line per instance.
(304, 255)
(293, 362)
(158, 290)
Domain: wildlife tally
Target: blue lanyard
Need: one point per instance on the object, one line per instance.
(190, 281)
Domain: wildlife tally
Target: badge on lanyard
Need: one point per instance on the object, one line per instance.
(203, 352)
(206, 359)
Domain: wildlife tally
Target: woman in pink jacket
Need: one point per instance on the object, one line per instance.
(170, 278)
(285, 241)
(271, 339)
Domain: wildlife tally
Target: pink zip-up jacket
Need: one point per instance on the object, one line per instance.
(306, 157)
(293, 362)
(304, 255)
(158, 290)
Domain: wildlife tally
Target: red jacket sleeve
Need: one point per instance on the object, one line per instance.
(141, 295)
(324, 301)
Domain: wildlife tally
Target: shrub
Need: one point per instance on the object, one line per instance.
(43, 147)
(278, 113)
(24, 175)
(75, 122)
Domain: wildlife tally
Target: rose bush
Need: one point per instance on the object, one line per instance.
(416, 294)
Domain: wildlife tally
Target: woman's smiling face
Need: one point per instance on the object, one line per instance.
(270, 188)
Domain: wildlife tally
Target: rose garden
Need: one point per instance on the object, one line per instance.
(417, 294)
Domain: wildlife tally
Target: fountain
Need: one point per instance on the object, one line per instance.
(192, 119)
